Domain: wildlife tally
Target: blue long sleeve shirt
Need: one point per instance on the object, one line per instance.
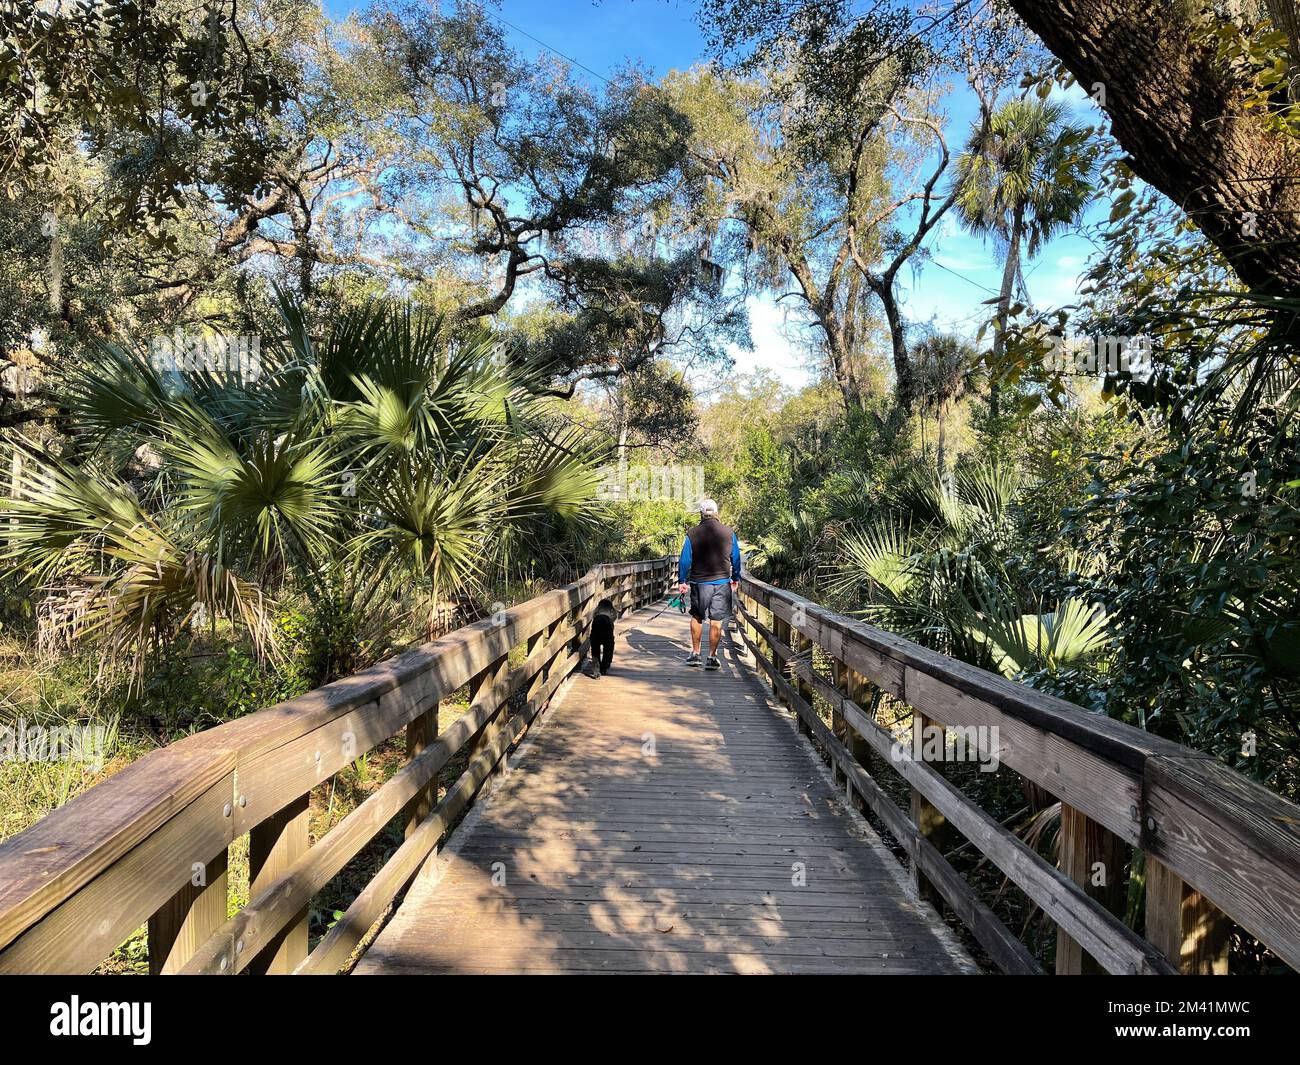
(684, 563)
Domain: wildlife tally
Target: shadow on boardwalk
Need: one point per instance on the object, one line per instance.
(664, 819)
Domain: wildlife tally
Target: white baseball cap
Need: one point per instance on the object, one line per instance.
(708, 506)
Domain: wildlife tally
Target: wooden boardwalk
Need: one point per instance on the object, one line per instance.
(664, 819)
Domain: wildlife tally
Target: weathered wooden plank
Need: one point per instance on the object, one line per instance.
(189, 917)
(45, 865)
(1183, 924)
(436, 670)
(69, 847)
(1108, 793)
(1114, 945)
(1094, 859)
(421, 732)
(1235, 842)
(572, 833)
(1007, 952)
(274, 846)
(87, 926)
(267, 912)
(1105, 791)
(338, 944)
(49, 862)
(931, 824)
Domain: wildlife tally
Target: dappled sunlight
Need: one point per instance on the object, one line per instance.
(663, 820)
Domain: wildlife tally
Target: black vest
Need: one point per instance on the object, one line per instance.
(710, 550)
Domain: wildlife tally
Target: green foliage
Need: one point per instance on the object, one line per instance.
(951, 562)
(636, 530)
(1198, 538)
(384, 454)
(161, 83)
(1027, 174)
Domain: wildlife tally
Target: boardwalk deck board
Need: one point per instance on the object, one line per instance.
(654, 824)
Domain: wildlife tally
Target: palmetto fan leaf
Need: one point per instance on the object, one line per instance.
(991, 487)
(439, 523)
(60, 514)
(118, 573)
(553, 475)
(1261, 362)
(1071, 635)
(411, 392)
(929, 500)
(272, 497)
(113, 387)
(161, 590)
(875, 561)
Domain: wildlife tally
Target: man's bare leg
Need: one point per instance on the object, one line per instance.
(697, 632)
(715, 636)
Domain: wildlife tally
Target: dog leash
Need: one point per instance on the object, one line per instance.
(676, 602)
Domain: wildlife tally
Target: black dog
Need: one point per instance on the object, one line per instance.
(602, 638)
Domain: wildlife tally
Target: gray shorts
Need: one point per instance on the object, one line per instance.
(712, 601)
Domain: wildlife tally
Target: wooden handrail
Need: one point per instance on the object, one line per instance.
(137, 847)
(1212, 840)
(142, 845)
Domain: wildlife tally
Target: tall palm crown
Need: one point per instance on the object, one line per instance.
(1028, 173)
(1025, 175)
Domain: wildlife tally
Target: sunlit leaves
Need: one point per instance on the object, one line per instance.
(410, 456)
(153, 80)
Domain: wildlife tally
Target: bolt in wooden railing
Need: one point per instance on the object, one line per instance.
(149, 844)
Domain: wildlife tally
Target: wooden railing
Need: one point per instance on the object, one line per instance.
(1215, 846)
(150, 844)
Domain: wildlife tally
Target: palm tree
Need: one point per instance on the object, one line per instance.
(945, 373)
(1025, 175)
(787, 552)
(384, 461)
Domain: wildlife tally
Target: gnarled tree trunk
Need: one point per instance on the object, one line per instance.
(1180, 116)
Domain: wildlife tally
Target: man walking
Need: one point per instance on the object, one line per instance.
(709, 569)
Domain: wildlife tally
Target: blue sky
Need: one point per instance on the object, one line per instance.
(661, 35)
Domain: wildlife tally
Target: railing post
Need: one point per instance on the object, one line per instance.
(856, 688)
(1185, 926)
(861, 691)
(273, 846)
(927, 818)
(189, 918)
(839, 725)
(1093, 858)
(489, 678)
(536, 640)
(802, 646)
(421, 732)
(781, 630)
(742, 629)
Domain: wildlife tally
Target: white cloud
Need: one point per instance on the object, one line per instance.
(770, 329)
